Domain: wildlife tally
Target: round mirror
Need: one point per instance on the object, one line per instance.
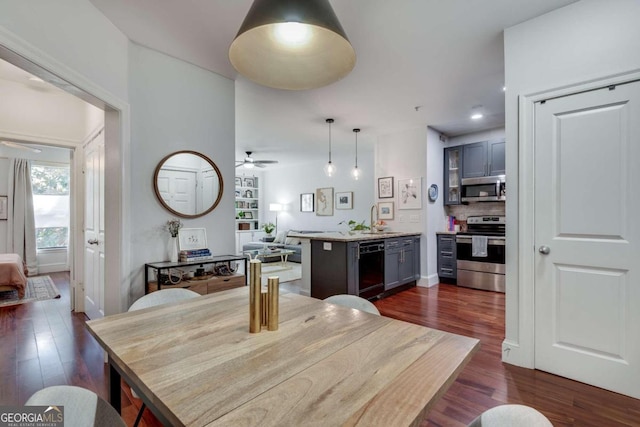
(188, 184)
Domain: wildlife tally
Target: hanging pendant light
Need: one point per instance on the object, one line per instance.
(292, 44)
(329, 168)
(356, 172)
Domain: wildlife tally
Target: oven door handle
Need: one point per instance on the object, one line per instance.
(490, 241)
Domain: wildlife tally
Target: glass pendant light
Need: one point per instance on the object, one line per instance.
(329, 168)
(356, 172)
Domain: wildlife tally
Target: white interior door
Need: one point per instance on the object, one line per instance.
(94, 228)
(587, 199)
(178, 190)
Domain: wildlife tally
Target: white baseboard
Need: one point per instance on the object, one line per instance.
(52, 268)
(513, 354)
(428, 281)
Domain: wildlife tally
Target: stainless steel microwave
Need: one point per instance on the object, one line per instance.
(484, 189)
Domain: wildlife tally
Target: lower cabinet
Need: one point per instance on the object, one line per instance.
(401, 261)
(447, 268)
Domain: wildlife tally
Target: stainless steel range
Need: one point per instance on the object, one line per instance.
(481, 253)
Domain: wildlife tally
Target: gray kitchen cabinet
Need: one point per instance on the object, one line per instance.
(485, 158)
(496, 153)
(400, 266)
(474, 160)
(447, 256)
(452, 170)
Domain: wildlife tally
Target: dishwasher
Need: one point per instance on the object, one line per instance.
(371, 269)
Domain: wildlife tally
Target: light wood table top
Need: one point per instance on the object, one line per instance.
(196, 363)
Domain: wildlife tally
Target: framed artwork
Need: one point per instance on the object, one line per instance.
(385, 187)
(344, 200)
(306, 202)
(385, 210)
(324, 201)
(410, 193)
(192, 238)
(238, 181)
(4, 207)
(249, 182)
(248, 215)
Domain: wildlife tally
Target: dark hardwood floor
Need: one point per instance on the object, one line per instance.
(44, 344)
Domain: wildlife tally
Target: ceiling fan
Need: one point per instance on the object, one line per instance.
(20, 146)
(249, 162)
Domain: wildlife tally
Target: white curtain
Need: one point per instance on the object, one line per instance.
(21, 225)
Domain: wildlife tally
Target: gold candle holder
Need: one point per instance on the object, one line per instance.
(255, 296)
(273, 302)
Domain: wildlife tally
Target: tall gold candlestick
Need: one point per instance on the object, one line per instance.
(273, 291)
(255, 298)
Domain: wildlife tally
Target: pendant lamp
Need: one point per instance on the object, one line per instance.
(356, 172)
(292, 44)
(329, 168)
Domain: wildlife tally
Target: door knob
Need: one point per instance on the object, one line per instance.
(544, 250)
(92, 241)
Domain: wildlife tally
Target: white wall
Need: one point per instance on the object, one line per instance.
(176, 106)
(284, 185)
(434, 210)
(403, 155)
(582, 42)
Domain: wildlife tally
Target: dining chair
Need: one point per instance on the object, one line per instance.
(163, 296)
(353, 301)
(82, 407)
(511, 415)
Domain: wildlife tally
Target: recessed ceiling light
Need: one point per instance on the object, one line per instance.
(36, 79)
(476, 112)
(504, 88)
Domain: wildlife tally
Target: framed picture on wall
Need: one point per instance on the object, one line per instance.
(306, 202)
(385, 210)
(4, 207)
(385, 187)
(192, 239)
(324, 201)
(344, 200)
(410, 193)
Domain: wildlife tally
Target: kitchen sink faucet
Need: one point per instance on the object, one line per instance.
(373, 209)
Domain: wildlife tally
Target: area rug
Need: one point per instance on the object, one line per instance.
(287, 273)
(39, 288)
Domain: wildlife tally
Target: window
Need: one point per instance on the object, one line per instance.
(50, 184)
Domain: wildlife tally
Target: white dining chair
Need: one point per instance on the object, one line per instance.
(353, 301)
(511, 415)
(163, 296)
(82, 407)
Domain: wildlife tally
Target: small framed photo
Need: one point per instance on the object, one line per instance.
(192, 238)
(248, 215)
(249, 182)
(385, 187)
(385, 210)
(238, 181)
(4, 207)
(344, 200)
(306, 202)
(324, 201)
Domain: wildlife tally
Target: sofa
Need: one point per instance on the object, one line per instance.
(282, 241)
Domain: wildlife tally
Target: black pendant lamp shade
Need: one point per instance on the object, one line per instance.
(292, 44)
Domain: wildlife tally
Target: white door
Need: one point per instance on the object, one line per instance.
(587, 200)
(178, 190)
(94, 228)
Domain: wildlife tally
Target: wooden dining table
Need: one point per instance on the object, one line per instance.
(194, 363)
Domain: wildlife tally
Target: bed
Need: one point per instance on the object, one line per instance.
(12, 274)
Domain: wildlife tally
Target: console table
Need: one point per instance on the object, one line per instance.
(166, 266)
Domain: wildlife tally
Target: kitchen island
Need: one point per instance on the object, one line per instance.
(367, 264)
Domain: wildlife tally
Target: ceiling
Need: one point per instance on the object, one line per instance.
(419, 63)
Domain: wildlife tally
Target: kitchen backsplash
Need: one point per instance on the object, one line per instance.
(462, 212)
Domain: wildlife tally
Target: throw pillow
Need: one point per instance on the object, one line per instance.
(292, 241)
(280, 237)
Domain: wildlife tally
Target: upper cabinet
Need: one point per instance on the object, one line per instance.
(485, 158)
(452, 170)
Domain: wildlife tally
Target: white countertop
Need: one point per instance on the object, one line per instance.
(353, 236)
